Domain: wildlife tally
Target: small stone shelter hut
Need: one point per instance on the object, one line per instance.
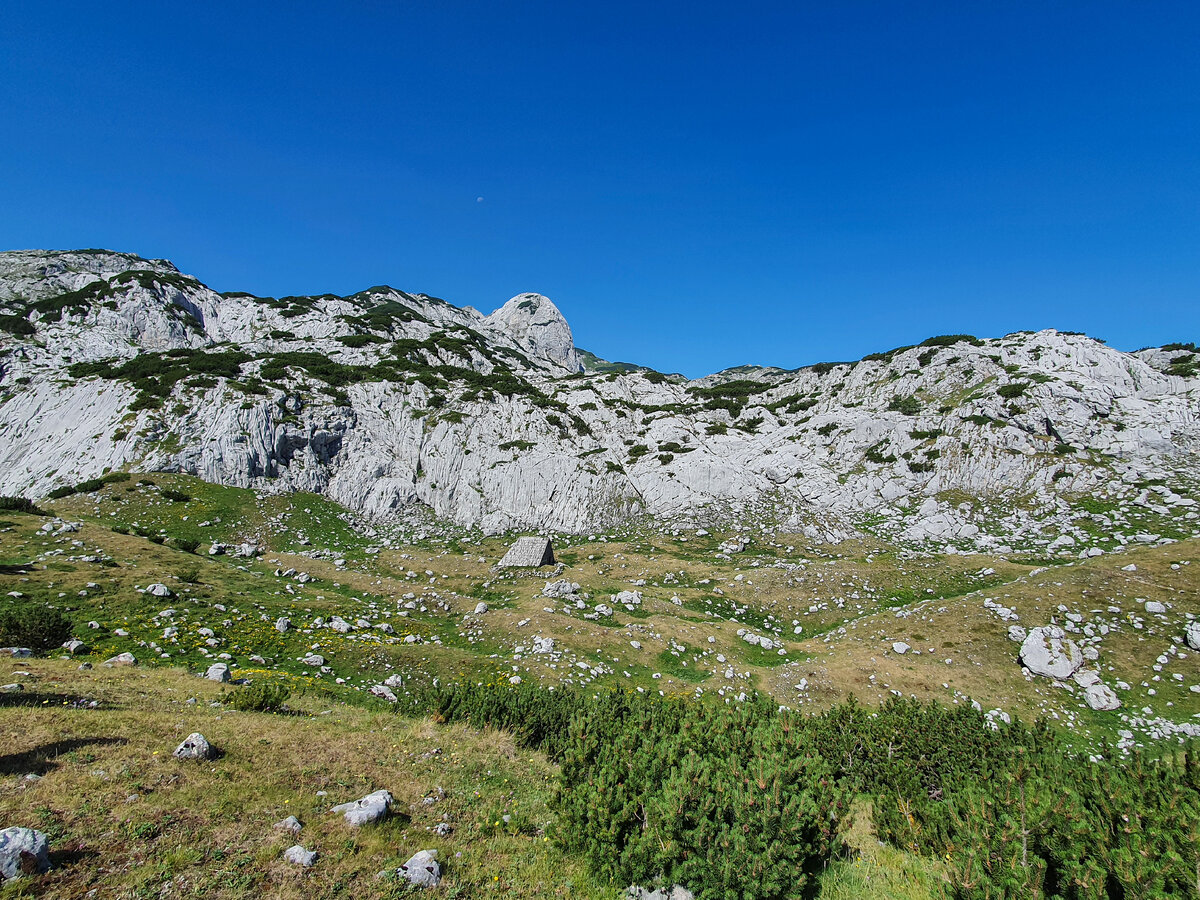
(529, 552)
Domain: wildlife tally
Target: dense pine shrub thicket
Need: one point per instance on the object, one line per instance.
(748, 802)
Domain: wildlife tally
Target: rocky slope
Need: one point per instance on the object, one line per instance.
(381, 400)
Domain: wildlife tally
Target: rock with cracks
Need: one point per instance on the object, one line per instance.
(1047, 651)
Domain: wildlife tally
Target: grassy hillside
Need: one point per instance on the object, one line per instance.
(128, 820)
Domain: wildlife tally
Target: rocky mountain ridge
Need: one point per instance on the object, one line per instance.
(1046, 442)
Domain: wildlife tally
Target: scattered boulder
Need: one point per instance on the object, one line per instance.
(1101, 697)
(422, 869)
(122, 659)
(23, 851)
(298, 856)
(195, 746)
(383, 692)
(529, 552)
(480, 608)
(282, 624)
(159, 590)
(16, 652)
(1153, 606)
(1193, 634)
(900, 647)
(290, 824)
(218, 672)
(368, 809)
(313, 659)
(75, 646)
(1047, 651)
(1017, 633)
(13, 688)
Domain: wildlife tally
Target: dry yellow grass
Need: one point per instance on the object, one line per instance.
(128, 820)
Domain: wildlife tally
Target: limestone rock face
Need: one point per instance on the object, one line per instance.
(537, 325)
(520, 439)
(1048, 651)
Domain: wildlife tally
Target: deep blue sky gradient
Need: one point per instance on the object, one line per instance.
(695, 185)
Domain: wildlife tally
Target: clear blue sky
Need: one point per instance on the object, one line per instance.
(695, 185)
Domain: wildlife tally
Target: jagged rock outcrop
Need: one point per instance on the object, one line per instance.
(385, 399)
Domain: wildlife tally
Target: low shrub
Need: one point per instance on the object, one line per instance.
(20, 504)
(909, 406)
(189, 575)
(35, 627)
(263, 696)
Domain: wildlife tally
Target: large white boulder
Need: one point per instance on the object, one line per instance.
(1193, 634)
(1047, 651)
(1100, 696)
(23, 851)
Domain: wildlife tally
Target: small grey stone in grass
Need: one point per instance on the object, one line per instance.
(217, 672)
(678, 892)
(195, 746)
(23, 851)
(121, 659)
(366, 810)
(422, 869)
(159, 590)
(384, 693)
(282, 624)
(900, 647)
(74, 646)
(291, 823)
(20, 652)
(298, 856)
(11, 688)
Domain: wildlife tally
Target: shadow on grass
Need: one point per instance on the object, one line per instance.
(44, 758)
(43, 698)
(61, 859)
